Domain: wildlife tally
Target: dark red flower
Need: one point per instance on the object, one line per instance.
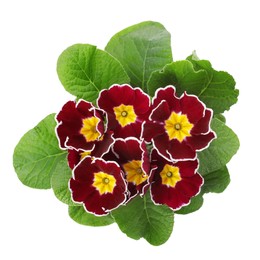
(178, 127)
(174, 184)
(98, 185)
(80, 125)
(132, 156)
(126, 108)
(101, 147)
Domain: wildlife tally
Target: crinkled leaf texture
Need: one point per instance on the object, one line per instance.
(78, 214)
(60, 182)
(219, 93)
(37, 155)
(220, 151)
(215, 88)
(85, 70)
(141, 49)
(142, 218)
(180, 74)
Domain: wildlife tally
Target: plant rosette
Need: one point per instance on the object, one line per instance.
(144, 139)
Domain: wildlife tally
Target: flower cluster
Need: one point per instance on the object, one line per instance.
(129, 145)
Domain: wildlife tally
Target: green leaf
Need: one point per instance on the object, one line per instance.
(195, 204)
(180, 74)
(216, 181)
(85, 70)
(142, 218)
(37, 155)
(59, 182)
(220, 151)
(220, 117)
(78, 214)
(141, 49)
(219, 93)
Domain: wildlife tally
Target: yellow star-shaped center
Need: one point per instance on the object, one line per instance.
(170, 175)
(104, 182)
(125, 115)
(178, 126)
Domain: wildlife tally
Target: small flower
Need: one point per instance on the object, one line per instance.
(174, 183)
(79, 125)
(132, 155)
(126, 107)
(178, 127)
(98, 185)
(101, 147)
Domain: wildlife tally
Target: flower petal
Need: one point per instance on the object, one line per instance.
(102, 146)
(200, 142)
(203, 125)
(69, 117)
(141, 102)
(188, 168)
(161, 144)
(115, 96)
(192, 107)
(180, 151)
(160, 112)
(190, 187)
(167, 94)
(152, 129)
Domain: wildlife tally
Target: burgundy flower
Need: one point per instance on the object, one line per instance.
(178, 127)
(101, 147)
(126, 107)
(133, 158)
(174, 184)
(98, 185)
(80, 125)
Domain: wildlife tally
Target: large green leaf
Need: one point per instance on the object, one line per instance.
(59, 182)
(216, 181)
(195, 204)
(219, 93)
(78, 214)
(220, 151)
(141, 49)
(142, 218)
(180, 74)
(85, 70)
(37, 155)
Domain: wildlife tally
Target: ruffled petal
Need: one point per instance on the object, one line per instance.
(188, 168)
(192, 107)
(167, 94)
(161, 112)
(200, 142)
(114, 96)
(152, 129)
(161, 144)
(203, 125)
(180, 151)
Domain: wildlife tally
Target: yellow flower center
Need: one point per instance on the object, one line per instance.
(178, 126)
(125, 115)
(89, 129)
(104, 183)
(170, 175)
(134, 172)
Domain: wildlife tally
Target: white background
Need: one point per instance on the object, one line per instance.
(33, 223)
